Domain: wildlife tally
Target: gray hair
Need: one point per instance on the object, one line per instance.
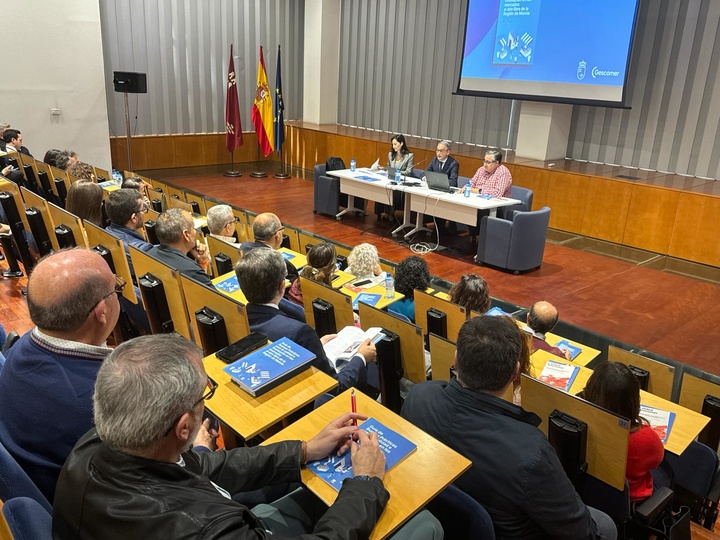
(260, 274)
(496, 156)
(142, 387)
(219, 216)
(446, 143)
(264, 229)
(69, 309)
(362, 260)
(170, 225)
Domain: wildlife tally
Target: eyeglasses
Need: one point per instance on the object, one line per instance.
(489, 162)
(119, 286)
(211, 386)
(143, 209)
(281, 229)
(235, 220)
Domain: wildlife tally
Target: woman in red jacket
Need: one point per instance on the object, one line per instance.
(612, 386)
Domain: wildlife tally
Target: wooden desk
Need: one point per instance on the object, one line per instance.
(298, 259)
(442, 357)
(455, 314)
(237, 294)
(688, 424)
(248, 416)
(662, 375)
(412, 483)
(375, 289)
(694, 390)
(587, 355)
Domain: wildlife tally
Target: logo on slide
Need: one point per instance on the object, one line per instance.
(603, 73)
(582, 65)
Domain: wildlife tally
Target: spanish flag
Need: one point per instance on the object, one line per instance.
(262, 110)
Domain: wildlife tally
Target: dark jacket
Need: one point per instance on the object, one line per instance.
(180, 262)
(107, 494)
(247, 247)
(275, 324)
(129, 237)
(451, 168)
(515, 474)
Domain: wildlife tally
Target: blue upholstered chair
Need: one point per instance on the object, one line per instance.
(326, 192)
(14, 482)
(516, 245)
(523, 194)
(461, 516)
(27, 519)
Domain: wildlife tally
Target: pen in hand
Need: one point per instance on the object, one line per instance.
(353, 406)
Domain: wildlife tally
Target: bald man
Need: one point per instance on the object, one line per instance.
(47, 382)
(268, 233)
(542, 318)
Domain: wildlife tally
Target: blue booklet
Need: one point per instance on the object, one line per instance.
(269, 366)
(660, 421)
(497, 312)
(366, 298)
(366, 178)
(559, 374)
(335, 469)
(228, 285)
(287, 256)
(564, 345)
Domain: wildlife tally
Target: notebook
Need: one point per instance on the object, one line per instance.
(438, 181)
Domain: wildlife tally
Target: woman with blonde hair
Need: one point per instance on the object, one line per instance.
(364, 264)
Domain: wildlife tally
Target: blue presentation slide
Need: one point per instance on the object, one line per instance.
(554, 41)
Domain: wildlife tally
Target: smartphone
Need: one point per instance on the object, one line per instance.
(242, 347)
(361, 283)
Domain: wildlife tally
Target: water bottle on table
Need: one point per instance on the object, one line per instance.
(389, 286)
(466, 190)
(398, 178)
(352, 165)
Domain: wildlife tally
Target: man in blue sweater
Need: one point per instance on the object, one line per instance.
(46, 385)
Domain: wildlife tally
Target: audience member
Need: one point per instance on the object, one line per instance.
(542, 318)
(399, 157)
(471, 292)
(364, 263)
(132, 476)
(47, 383)
(261, 275)
(81, 171)
(126, 209)
(613, 386)
(135, 182)
(411, 273)
(14, 142)
(3, 128)
(515, 474)
(321, 267)
(50, 157)
(268, 233)
(85, 200)
(179, 247)
(221, 222)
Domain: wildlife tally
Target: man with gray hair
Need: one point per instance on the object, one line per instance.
(261, 275)
(133, 477)
(444, 163)
(221, 222)
(179, 247)
(47, 382)
(268, 233)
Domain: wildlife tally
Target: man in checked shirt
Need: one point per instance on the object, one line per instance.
(493, 178)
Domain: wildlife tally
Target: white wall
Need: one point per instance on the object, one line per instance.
(56, 60)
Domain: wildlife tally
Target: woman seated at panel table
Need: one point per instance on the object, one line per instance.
(321, 266)
(401, 158)
(411, 273)
(613, 386)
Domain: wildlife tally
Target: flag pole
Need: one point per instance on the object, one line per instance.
(281, 173)
(257, 173)
(232, 173)
(233, 129)
(279, 121)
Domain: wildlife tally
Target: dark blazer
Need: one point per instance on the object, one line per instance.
(451, 168)
(247, 247)
(180, 262)
(275, 324)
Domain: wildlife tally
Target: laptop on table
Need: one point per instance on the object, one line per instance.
(438, 181)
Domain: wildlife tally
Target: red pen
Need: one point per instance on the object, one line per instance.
(353, 405)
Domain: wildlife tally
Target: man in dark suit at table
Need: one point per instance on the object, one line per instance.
(516, 475)
(444, 163)
(268, 233)
(178, 243)
(261, 275)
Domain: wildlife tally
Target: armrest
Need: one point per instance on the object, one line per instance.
(651, 508)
